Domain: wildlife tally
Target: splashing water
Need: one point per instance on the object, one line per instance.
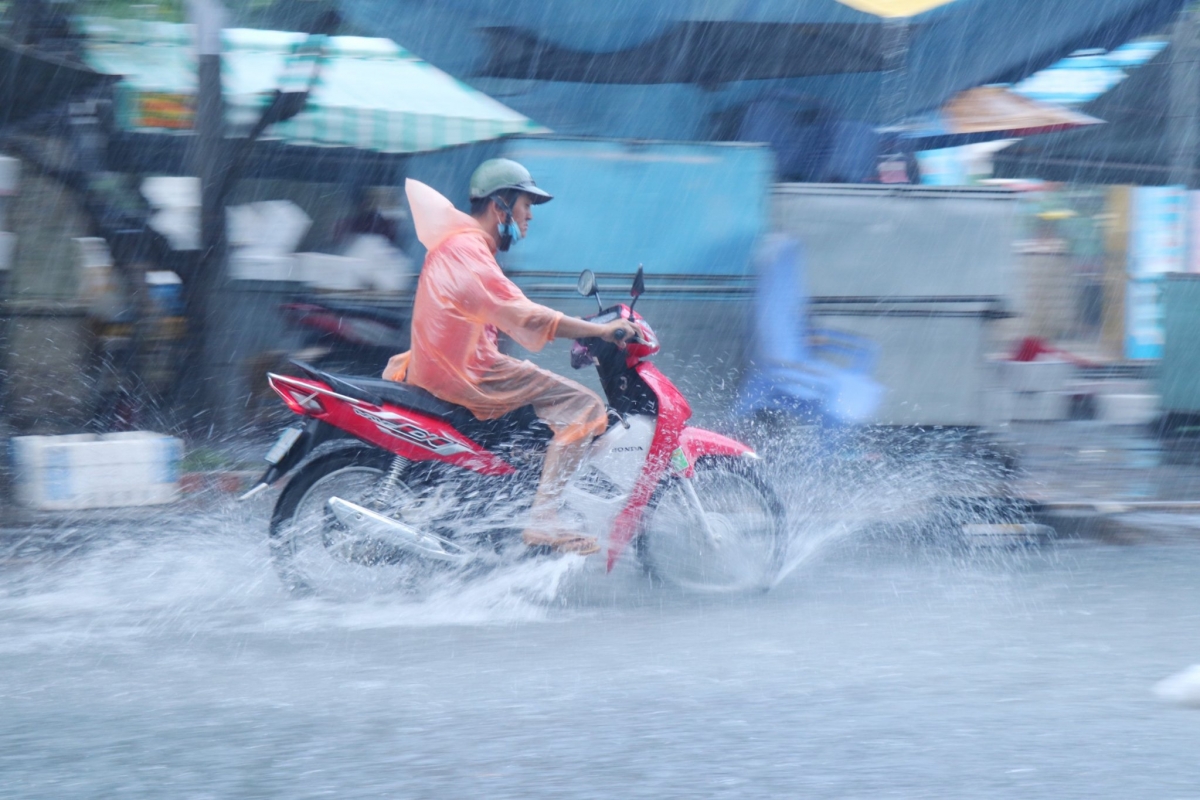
(148, 582)
(201, 574)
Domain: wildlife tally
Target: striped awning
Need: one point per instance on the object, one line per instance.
(372, 94)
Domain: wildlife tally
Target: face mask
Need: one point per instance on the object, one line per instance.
(510, 232)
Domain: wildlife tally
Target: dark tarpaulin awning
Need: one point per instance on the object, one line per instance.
(33, 80)
(1131, 148)
(273, 160)
(644, 68)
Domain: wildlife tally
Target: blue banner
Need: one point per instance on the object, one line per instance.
(679, 209)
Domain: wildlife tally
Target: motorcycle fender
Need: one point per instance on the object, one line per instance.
(315, 434)
(696, 443)
(673, 414)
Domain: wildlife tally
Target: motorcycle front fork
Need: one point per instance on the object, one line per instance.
(689, 490)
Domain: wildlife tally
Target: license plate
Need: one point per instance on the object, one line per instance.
(282, 445)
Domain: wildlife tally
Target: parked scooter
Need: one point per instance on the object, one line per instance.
(350, 337)
(419, 480)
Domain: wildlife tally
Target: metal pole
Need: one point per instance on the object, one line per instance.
(893, 96)
(204, 378)
(1183, 119)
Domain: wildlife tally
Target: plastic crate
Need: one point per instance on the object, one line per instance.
(1037, 376)
(1039, 406)
(81, 471)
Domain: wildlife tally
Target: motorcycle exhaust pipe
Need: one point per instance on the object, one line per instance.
(396, 533)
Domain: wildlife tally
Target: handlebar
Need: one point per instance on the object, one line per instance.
(611, 315)
(604, 317)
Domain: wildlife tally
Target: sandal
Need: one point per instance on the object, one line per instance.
(561, 542)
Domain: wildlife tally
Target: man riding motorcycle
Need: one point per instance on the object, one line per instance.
(463, 298)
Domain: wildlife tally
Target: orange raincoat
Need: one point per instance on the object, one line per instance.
(462, 299)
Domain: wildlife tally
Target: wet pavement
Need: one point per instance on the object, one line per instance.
(173, 665)
(1118, 483)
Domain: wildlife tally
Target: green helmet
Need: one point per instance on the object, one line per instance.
(497, 174)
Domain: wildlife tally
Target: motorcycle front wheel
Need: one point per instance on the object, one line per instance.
(728, 535)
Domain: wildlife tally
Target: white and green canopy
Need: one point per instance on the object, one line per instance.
(372, 94)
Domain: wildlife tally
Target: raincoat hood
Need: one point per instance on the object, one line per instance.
(435, 218)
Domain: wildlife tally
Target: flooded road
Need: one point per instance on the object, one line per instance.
(167, 662)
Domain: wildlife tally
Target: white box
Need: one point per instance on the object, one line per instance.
(166, 191)
(61, 473)
(261, 267)
(1040, 406)
(8, 244)
(274, 227)
(1037, 376)
(1127, 409)
(346, 273)
(327, 271)
(10, 174)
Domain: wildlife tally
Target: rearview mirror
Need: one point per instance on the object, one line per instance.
(587, 283)
(639, 286)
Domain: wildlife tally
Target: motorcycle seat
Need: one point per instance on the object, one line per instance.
(404, 395)
(521, 423)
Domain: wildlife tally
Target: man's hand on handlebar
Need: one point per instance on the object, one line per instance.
(620, 332)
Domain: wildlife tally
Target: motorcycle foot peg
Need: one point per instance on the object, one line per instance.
(255, 492)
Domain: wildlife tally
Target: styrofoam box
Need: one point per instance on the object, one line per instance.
(1037, 376)
(10, 172)
(60, 473)
(344, 273)
(263, 267)
(8, 243)
(1040, 406)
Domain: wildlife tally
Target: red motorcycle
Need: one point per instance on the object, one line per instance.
(387, 476)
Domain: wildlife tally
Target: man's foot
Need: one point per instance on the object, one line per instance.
(561, 541)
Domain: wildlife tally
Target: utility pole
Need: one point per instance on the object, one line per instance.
(201, 379)
(219, 161)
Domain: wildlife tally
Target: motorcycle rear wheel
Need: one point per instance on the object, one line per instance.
(311, 552)
(740, 545)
